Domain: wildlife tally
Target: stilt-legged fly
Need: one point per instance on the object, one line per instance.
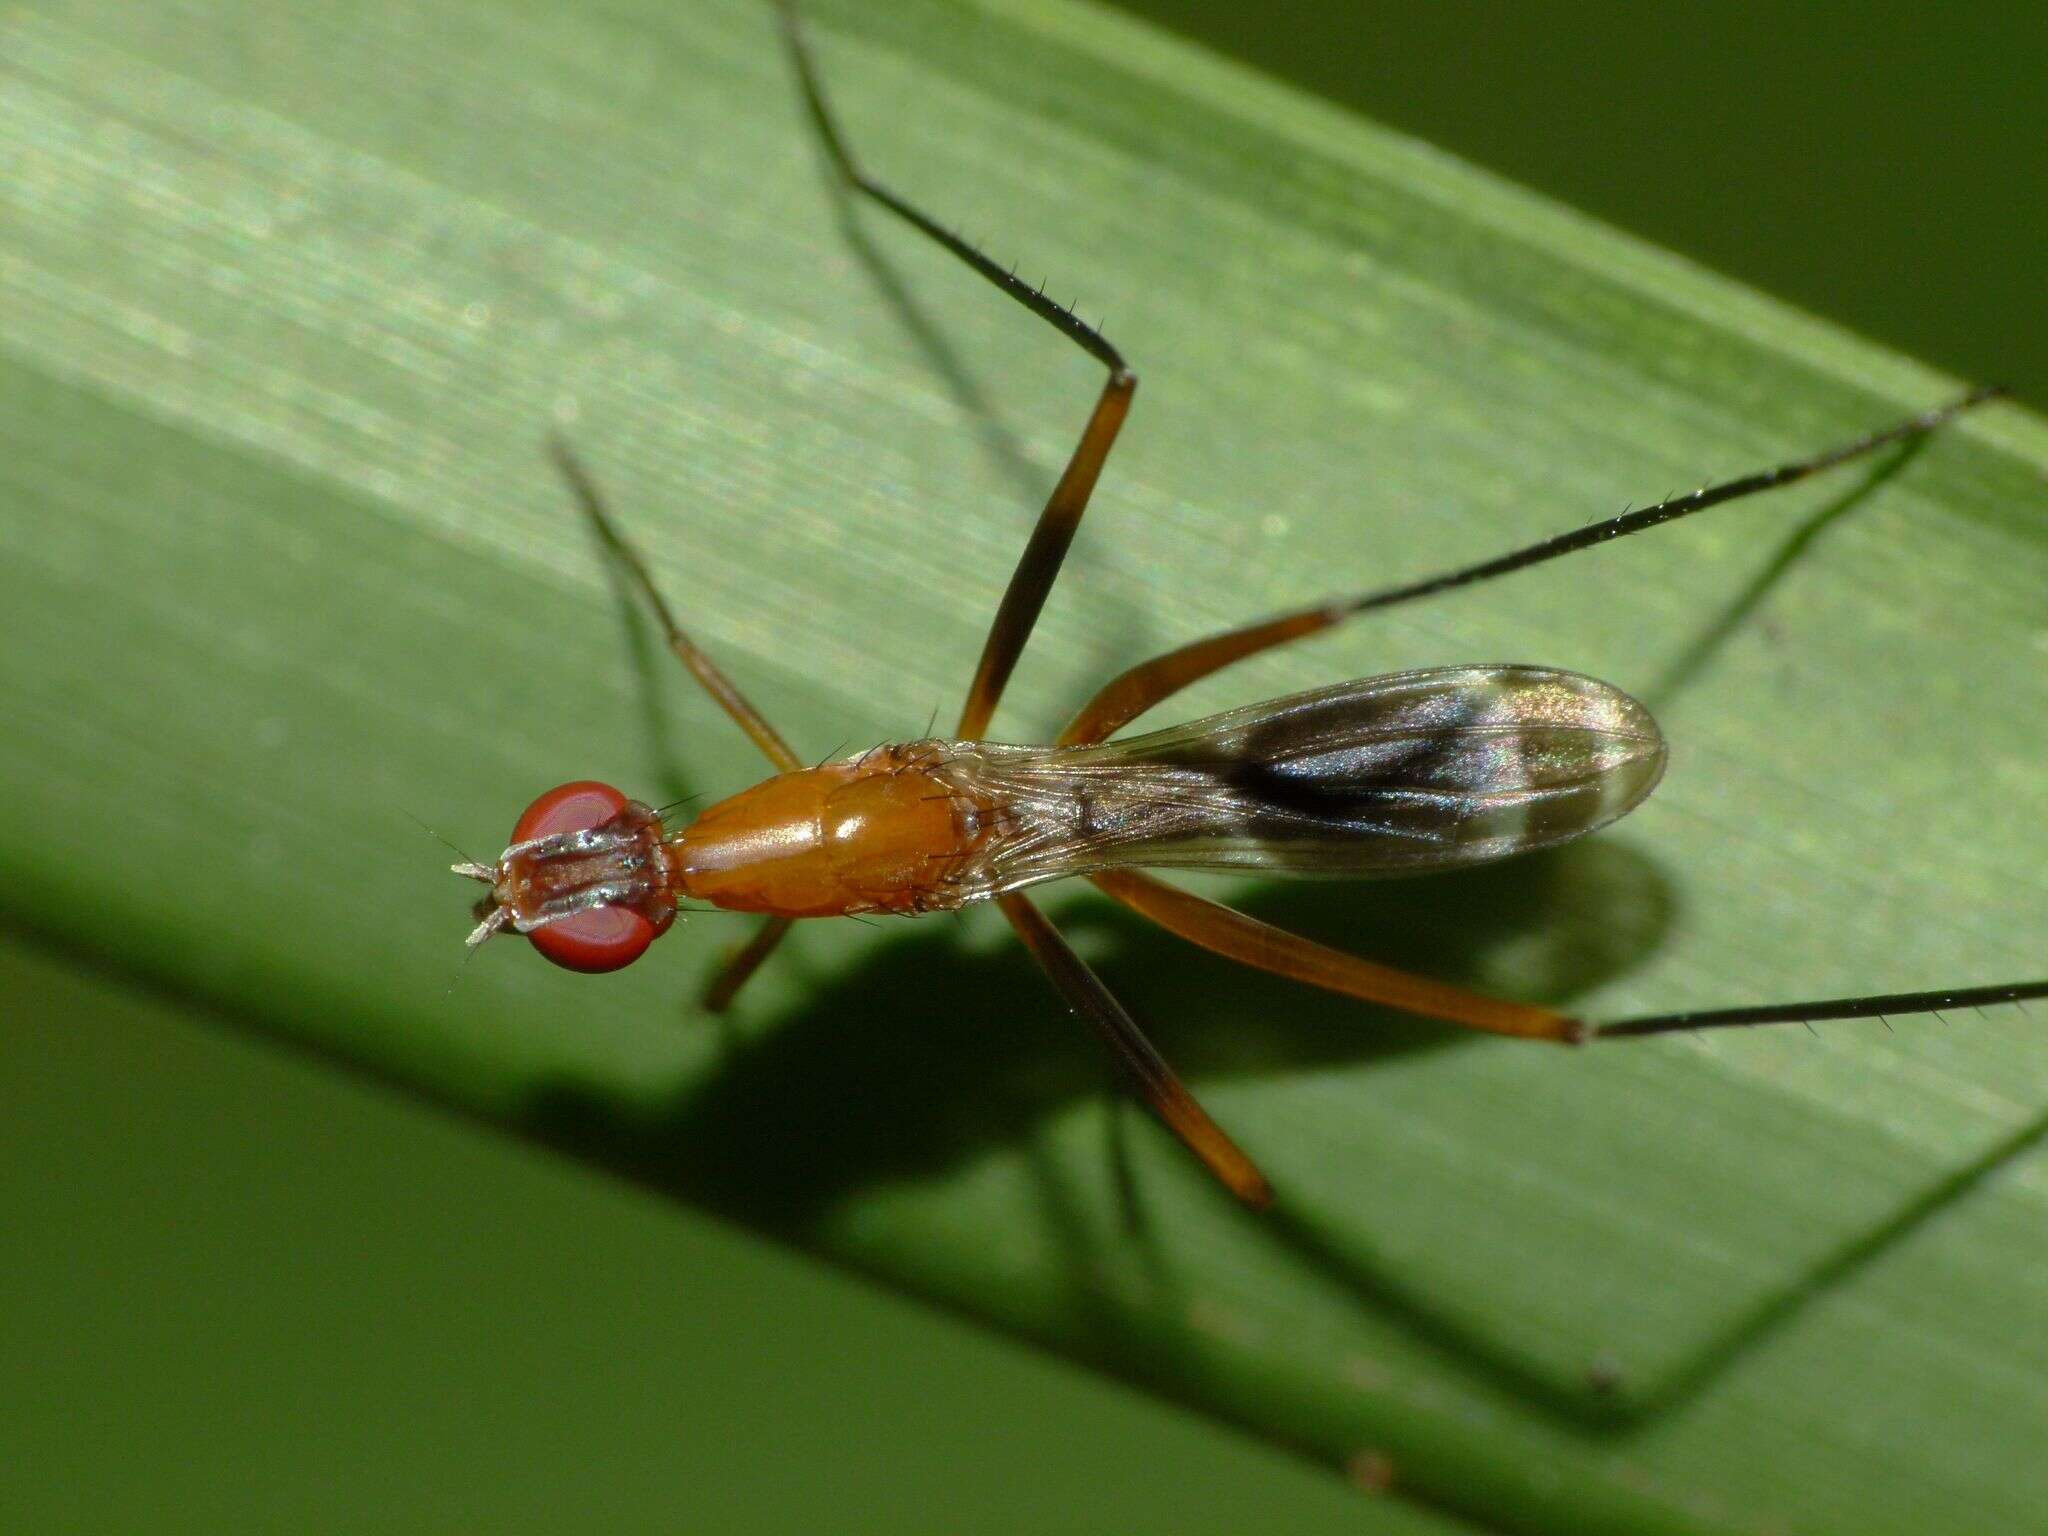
(1396, 775)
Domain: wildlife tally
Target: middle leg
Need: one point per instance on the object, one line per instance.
(1046, 551)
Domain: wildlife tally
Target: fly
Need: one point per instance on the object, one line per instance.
(1386, 776)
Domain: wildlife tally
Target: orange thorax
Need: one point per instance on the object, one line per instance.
(877, 833)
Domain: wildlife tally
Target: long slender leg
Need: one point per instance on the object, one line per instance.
(1016, 615)
(1228, 932)
(1876, 1006)
(1225, 931)
(727, 983)
(1145, 1067)
(1233, 934)
(702, 667)
(1131, 693)
(1047, 549)
(1043, 555)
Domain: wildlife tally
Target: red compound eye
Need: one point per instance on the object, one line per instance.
(604, 938)
(573, 807)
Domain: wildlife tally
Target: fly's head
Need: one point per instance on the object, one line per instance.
(586, 879)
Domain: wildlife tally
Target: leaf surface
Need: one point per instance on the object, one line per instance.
(293, 296)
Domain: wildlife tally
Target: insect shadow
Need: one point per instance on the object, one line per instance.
(926, 1052)
(850, 1090)
(931, 1051)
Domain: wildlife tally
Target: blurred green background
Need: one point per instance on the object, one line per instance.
(247, 1290)
(1878, 163)
(244, 1291)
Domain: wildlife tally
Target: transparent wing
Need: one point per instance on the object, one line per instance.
(1393, 775)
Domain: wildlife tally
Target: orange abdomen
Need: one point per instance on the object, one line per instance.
(874, 834)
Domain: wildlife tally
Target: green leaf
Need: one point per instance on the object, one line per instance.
(292, 299)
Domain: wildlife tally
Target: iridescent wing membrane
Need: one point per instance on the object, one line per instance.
(1394, 775)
